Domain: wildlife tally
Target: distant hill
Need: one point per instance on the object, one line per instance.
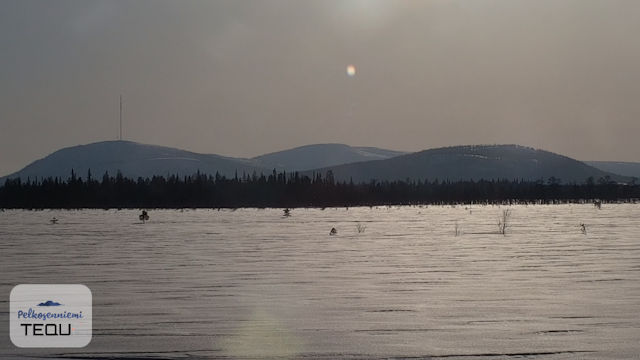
(133, 160)
(321, 155)
(347, 162)
(472, 162)
(621, 168)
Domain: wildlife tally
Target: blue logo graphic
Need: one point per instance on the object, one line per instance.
(49, 303)
(50, 315)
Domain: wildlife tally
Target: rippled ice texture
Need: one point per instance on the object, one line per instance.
(253, 283)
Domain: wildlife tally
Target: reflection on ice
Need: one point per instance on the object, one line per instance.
(262, 335)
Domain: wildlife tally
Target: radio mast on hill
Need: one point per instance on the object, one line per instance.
(120, 117)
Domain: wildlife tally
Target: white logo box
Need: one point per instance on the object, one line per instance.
(50, 315)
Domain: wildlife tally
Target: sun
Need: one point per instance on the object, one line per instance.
(351, 70)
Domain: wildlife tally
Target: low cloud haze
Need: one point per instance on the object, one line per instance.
(242, 78)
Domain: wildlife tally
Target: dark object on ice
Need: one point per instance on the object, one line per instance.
(49, 303)
(53, 220)
(583, 228)
(333, 231)
(287, 212)
(144, 216)
(598, 204)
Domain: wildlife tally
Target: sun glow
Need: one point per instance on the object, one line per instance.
(351, 70)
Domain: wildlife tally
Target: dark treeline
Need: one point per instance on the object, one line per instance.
(291, 190)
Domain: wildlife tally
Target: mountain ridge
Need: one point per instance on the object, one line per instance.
(466, 162)
(624, 168)
(473, 162)
(132, 159)
(313, 156)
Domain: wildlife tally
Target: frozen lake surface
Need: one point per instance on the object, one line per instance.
(252, 283)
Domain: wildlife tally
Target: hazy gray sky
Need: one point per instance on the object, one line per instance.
(242, 78)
